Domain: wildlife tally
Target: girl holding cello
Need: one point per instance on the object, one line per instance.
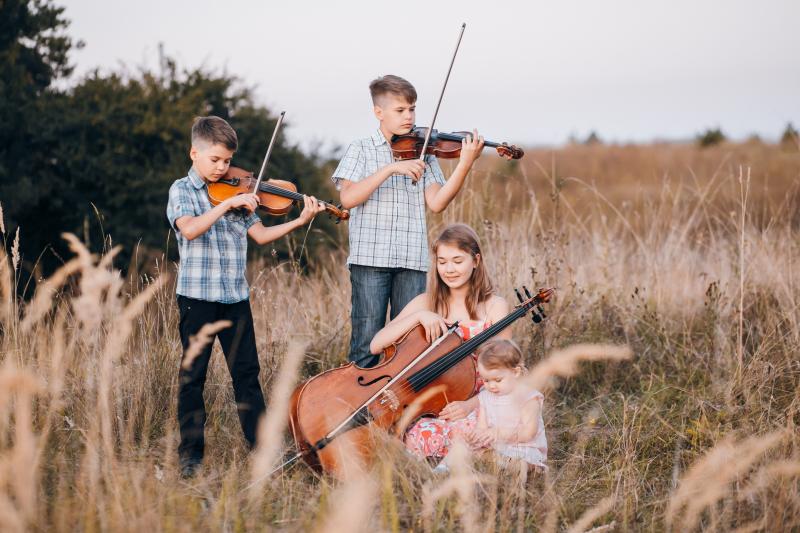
(459, 289)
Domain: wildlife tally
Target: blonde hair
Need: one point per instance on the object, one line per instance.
(480, 286)
(500, 353)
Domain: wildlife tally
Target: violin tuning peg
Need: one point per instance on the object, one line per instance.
(536, 317)
(541, 311)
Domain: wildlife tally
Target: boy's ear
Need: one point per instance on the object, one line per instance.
(193, 153)
(378, 110)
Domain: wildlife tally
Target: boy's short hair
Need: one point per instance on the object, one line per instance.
(499, 353)
(392, 85)
(214, 130)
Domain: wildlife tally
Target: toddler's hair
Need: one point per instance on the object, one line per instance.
(393, 85)
(500, 353)
(214, 130)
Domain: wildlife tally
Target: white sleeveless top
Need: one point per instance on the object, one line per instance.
(502, 411)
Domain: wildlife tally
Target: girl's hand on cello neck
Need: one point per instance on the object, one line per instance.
(433, 324)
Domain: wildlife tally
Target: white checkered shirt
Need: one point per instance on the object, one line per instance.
(212, 265)
(388, 230)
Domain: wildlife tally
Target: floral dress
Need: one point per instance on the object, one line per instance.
(432, 437)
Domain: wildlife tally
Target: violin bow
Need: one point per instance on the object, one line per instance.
(441, 95)
(269, 151)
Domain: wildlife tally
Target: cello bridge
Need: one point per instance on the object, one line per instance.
(390, 399)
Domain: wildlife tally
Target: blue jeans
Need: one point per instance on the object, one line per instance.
(374, 288)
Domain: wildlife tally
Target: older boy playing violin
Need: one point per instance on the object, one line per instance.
(388, 257)
(211, 286)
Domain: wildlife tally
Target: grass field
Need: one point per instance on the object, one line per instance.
(686, 256)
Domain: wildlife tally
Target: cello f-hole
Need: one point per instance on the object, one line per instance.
(360, 380)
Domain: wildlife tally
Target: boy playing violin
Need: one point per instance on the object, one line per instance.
(388, 257)
(211, 286)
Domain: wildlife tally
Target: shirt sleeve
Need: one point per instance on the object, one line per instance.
(352, 167)
(433, 172)
(179, 205)
(536, 395)
(250, 220)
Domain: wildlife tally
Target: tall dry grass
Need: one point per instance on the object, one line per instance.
(653, 248)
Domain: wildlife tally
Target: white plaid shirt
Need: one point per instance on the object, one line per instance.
(212, 265)
(388, 230)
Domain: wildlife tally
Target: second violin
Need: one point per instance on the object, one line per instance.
(444, 145)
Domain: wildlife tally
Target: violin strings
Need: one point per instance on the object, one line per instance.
(278, 191)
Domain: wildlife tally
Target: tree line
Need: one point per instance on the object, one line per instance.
(96, 156)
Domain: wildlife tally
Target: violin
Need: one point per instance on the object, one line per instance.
(276, 196)
(444, 145)
(329, 413)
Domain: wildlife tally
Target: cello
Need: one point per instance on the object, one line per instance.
(329, 414)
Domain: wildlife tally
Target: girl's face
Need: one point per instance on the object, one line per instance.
(454, 265)
(499, 380)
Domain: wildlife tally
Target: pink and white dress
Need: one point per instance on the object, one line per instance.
(432, 437)
(503, 411)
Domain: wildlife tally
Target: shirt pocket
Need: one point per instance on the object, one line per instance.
(236, 226)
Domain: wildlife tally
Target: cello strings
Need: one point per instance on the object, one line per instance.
(435, 369)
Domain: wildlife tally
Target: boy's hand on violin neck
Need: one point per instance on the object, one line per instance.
(311, 207)
(247, 201)
(413, 168)
(471, 148)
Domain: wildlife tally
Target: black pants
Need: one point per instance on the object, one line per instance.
(239, 346)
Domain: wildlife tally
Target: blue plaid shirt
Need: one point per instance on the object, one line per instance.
(389, 229)
(212, 265)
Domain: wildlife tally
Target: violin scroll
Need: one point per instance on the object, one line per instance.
(510, 151)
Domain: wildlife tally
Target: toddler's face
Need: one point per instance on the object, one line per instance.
(454, 265)
(499, 380)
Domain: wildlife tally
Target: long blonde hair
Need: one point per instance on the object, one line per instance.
(480, 286)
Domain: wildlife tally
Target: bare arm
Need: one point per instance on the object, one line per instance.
(192, 227)
(438, 197)
(264, 234)
(356, 193)
(411, 315)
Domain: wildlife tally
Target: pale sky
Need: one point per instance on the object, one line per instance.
(527, 72)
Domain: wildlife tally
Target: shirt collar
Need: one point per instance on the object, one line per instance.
(195, 178)
(378, 138)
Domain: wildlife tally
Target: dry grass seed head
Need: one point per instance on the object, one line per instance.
(15, 258)
(351, 507)
(708, 478)
(45, 292)
(564, 362)
(461, 481)
(590, 515)
(201, 339)
(272, 426)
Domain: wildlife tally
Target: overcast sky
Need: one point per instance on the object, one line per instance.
(527, 72)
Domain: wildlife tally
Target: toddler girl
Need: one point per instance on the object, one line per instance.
(509, 416)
